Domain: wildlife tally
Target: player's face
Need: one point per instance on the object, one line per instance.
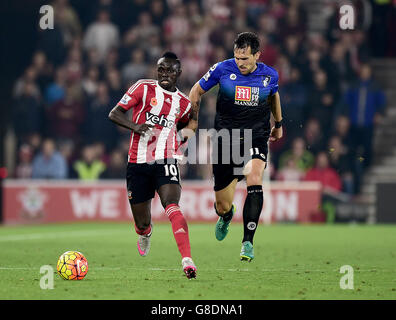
(245, 60)
(168, 72)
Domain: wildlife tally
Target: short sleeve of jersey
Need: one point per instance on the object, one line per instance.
(275, 86)
(185, 117)
(212, 77)
(132, 97)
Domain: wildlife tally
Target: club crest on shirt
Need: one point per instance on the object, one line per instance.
(266, 81)
(232, 76)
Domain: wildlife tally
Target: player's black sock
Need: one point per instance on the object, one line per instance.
(251, 211)
(227, 216)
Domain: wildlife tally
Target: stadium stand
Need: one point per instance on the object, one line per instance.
(99, 48)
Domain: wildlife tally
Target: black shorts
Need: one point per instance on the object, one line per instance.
(144, 179)
(226, 170)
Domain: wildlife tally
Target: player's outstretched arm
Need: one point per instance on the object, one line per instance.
(117, 115)
(276, 110)
(195, 95)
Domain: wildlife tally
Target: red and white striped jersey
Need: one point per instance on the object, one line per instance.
(154, 105)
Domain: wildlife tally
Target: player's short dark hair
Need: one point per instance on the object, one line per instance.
(171, 55)
(247, 39)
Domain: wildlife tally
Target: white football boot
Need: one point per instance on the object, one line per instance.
(144, 243)
(189, 268)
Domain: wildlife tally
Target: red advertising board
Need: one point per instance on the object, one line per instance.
(34, 201)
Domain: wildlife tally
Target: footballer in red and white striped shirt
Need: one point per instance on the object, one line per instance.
(159, 110)
(154, 105)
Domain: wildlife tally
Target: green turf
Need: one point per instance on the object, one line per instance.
(291, 262)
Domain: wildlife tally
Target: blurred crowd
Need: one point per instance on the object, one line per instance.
(97, 50)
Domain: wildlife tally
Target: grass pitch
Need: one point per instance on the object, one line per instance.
(292, 262)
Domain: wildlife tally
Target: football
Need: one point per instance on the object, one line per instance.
(72, 265)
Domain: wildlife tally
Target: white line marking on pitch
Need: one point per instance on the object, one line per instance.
(49, 235)
(217, 269)
(12, 268)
